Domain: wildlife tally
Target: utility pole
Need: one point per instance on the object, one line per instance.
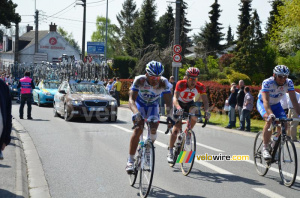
(83, 30)
(177, 34)
(36, 31)
(106, 37)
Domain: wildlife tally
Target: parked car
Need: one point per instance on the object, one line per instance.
(84, 99)
(14, 91)
(44, 92)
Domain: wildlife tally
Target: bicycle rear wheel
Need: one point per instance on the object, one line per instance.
(189, 147)
(259, 162)
(147, 169)
(288, 162)
(133, 176)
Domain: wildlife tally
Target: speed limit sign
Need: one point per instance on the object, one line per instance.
(177, 58)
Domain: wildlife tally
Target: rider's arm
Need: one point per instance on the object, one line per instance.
(294, 101)
(132, 98)
(175, 100)
(168, 101)
(205, 102)
(266, 97)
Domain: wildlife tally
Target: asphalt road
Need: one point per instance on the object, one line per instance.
(88, 159)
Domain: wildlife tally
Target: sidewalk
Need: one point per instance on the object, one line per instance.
(13, 170)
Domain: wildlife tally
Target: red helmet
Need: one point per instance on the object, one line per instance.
(192, 72)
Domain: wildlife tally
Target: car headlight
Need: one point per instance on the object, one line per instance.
(14, 89)
(47, 93)
(76, 102)
(113, 103)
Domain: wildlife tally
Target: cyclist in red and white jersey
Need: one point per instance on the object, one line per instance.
(183, 101)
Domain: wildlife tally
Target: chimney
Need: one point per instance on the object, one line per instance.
(29, 28)
(52, 27)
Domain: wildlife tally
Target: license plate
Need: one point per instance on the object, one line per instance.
(96, 109)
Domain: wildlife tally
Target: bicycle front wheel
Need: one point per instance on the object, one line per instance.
(288, 162)
(147, 169)
(188, 151)
(259, 162)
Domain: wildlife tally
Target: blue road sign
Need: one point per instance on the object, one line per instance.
(95, 47)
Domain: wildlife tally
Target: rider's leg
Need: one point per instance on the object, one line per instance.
(266, 134)
(134, 141)
(194, 110)
(153, 129)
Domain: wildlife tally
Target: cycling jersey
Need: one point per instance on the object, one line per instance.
(186, 95)
(147, 94)
(275, 91)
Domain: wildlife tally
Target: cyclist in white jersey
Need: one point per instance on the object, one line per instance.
(143, 102)
(268, 103)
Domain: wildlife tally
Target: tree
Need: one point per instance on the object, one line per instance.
(8, 13)
(244, 20)
(212, 34)
(184, 27)
(273, 13)
(229, 37)
(166, 28)
(69, 38)
(113, 42)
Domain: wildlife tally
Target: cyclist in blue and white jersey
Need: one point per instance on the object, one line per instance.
(143, 102)
(268, 103)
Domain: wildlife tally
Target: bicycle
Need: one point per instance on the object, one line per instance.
(182, 145)
(287, 154)
(144, 163)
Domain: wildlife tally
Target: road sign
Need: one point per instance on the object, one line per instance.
(95, 47)
(177, 58)
(177, 49)
(175, 64)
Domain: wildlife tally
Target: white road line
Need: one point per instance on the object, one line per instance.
(124, 129)
(267, 193)
(203, 163)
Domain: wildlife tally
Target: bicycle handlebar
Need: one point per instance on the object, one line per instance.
(283, 120)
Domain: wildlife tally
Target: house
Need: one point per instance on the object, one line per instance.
(51, 46)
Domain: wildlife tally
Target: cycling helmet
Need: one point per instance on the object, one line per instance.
(281, 70)
(154, 68)
(192, 72)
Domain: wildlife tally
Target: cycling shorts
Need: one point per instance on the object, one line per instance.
(276, 108)
(147, 111)
(186, 106)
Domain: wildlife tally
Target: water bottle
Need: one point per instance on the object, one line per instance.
(141, 143)
(275, 138)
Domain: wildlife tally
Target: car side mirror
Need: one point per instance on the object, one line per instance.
(62, 91)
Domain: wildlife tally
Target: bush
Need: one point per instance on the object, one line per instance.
(213, 73)
(224, 82)
(257, 78)
(236, 76)
(124, 93)
(123, 65)
(227, 70)
(222, 75)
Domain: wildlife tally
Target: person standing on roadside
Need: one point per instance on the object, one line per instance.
(26, 84)
(232, 103)
(5, 117)
(117, 86)
(247, 108)
(240, 98)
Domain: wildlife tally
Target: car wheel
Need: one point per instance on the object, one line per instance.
(54, 111)
(66, 116)
(39, 102)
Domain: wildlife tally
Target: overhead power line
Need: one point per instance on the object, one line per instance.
(64, 8)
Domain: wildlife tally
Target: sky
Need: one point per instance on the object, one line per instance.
(71, 18)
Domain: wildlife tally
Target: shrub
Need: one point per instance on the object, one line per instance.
(123, 65)
(124, 93)
(236, 76)
(222, 75)
(228, 70)
(224, 82)
(213, 73)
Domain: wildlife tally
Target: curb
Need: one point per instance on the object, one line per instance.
(37, 183)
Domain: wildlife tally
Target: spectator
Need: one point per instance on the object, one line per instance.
(232, 103)
(117, 86)
(109, 86)
(5, 117)
(292, 130)
(173, 83)
(240, 98)
(26, 84)
(246, 111)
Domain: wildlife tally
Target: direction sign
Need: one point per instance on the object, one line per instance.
(95, 47)
(177, 58)
(177, 49)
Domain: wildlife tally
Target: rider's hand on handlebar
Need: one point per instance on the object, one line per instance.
(271, 116)
(137, 117)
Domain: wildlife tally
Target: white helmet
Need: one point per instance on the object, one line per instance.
(281, 70)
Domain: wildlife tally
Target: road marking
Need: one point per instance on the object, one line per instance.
(203, 163)
(199, 144)
(124, 129)
(267, 192)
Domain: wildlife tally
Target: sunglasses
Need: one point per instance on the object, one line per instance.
(154, 77)
(281, 76)
(191, 78)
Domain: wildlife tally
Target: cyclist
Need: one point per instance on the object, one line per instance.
(183, 101)
(268, 103)
(143, 102)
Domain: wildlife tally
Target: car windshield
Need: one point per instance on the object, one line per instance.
(88, 88)
(50, 85)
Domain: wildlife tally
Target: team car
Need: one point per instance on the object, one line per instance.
(86, 100)
(44, 92)
(14, 91)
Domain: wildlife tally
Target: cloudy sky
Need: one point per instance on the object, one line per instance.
(71, 16)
